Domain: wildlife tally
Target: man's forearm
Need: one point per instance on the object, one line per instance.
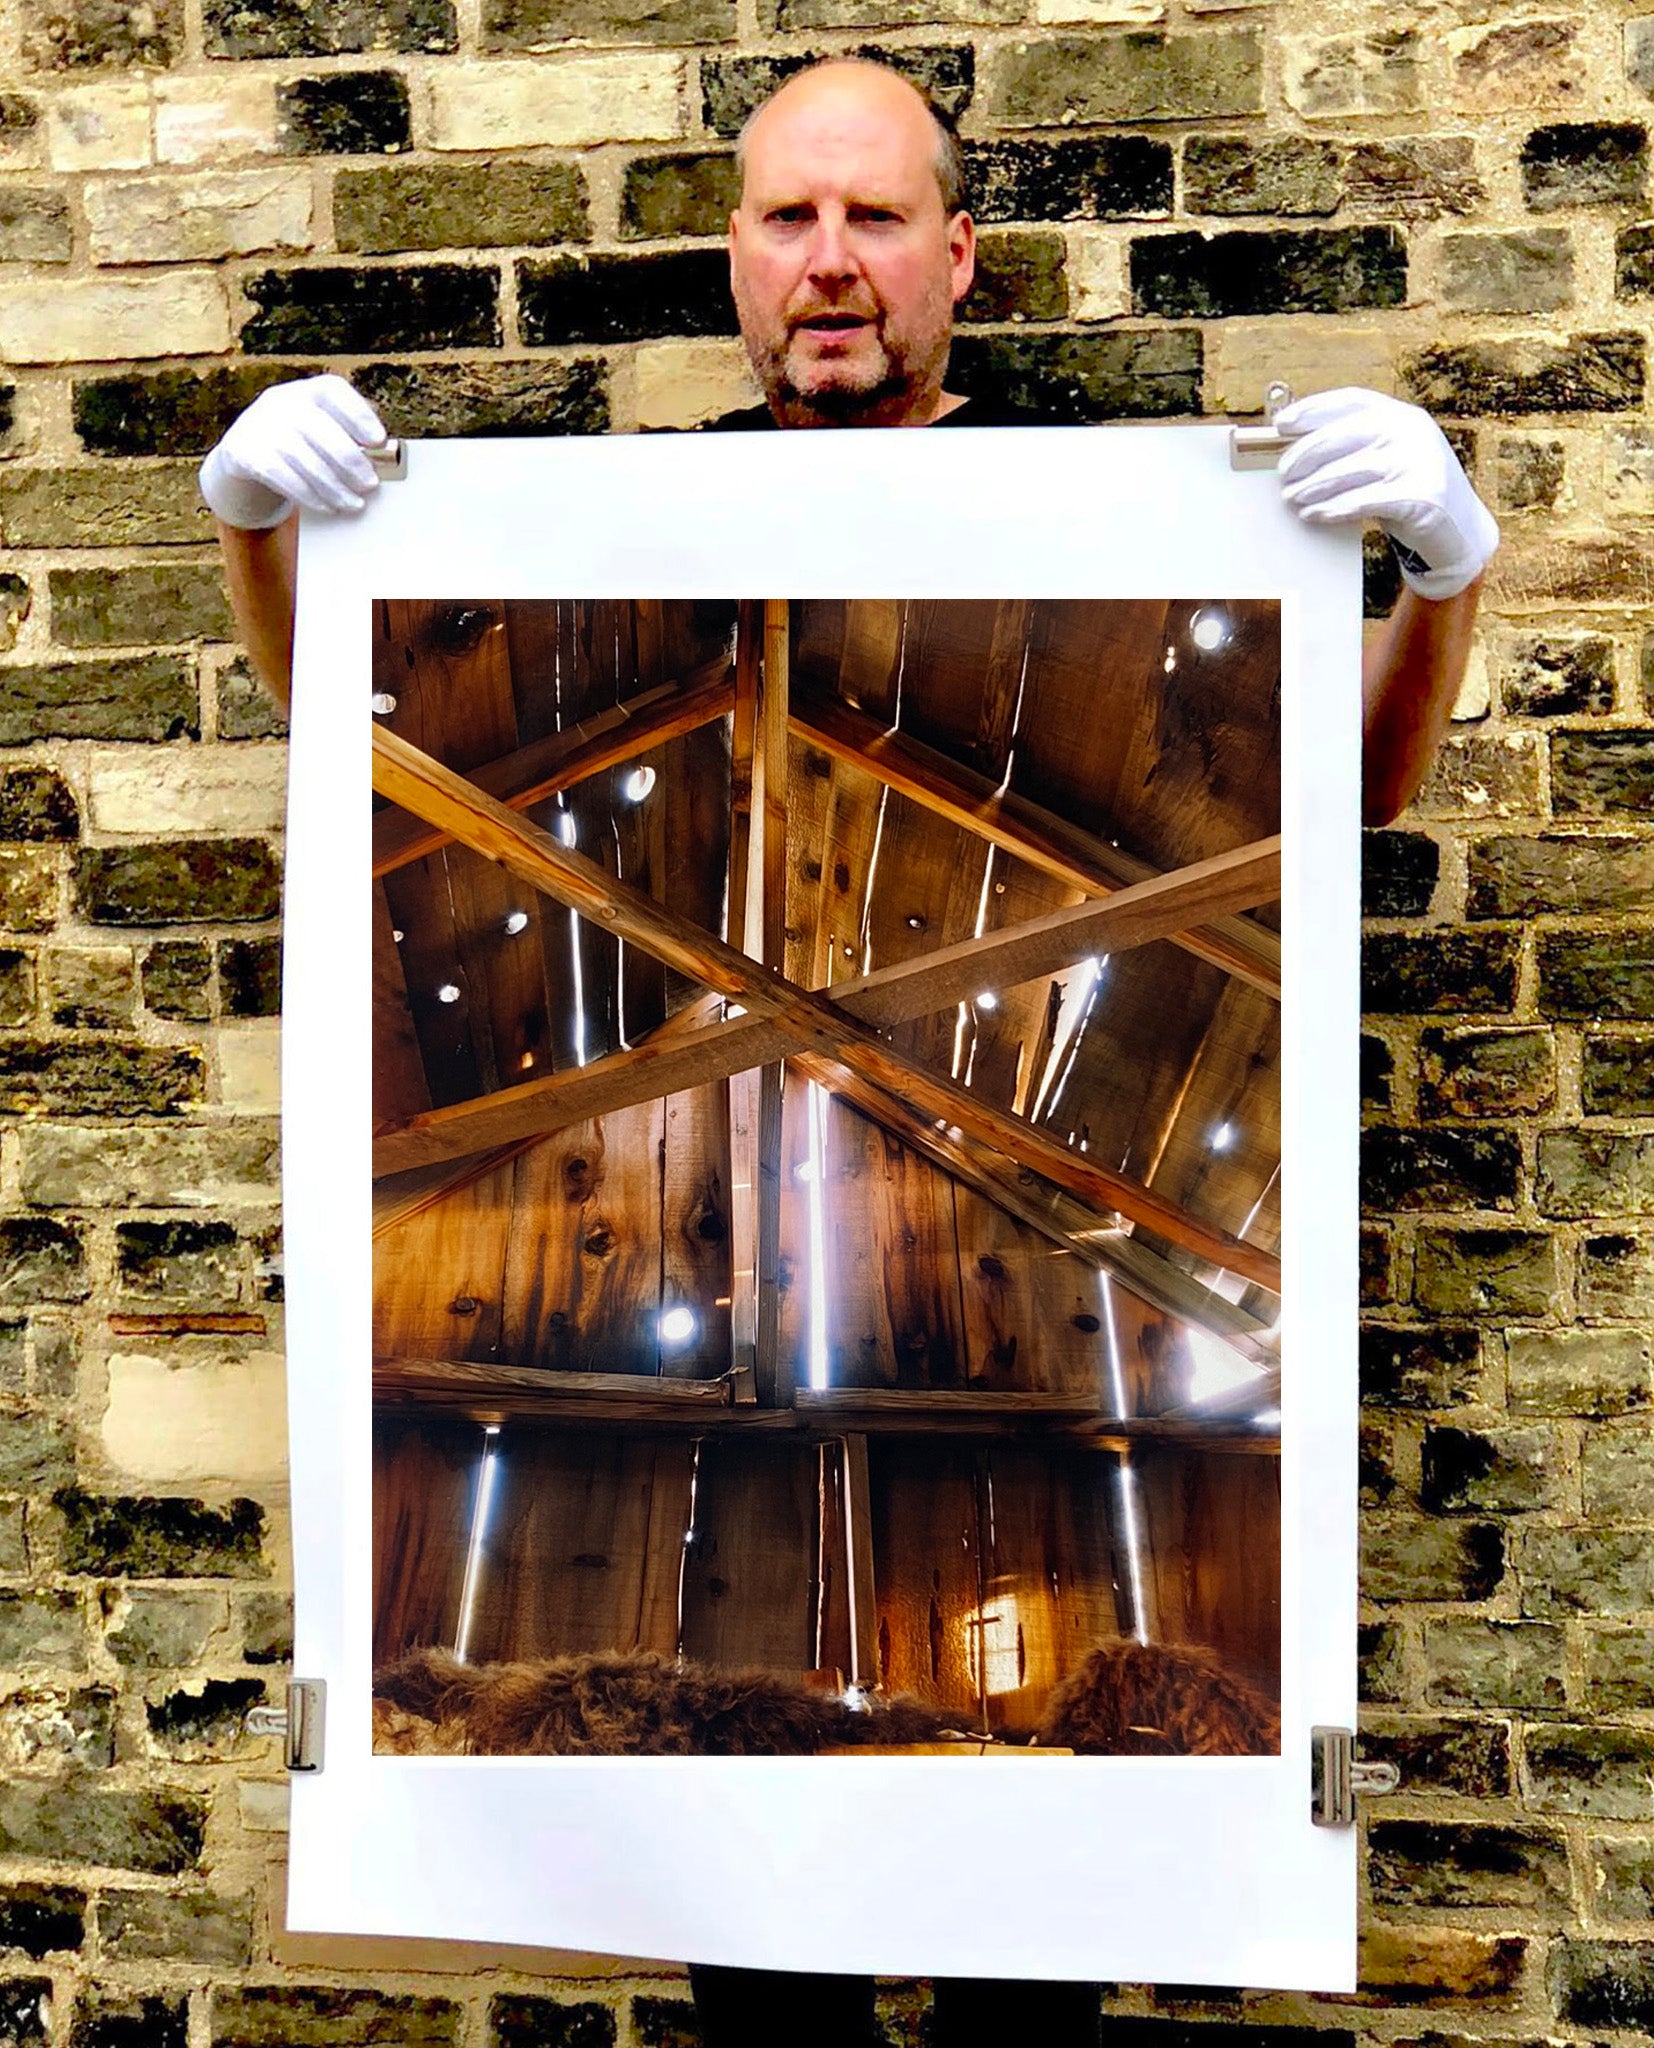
(259, 567)
(1411, 675)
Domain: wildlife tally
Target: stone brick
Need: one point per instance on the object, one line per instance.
(210, 1421)
(1619, 1667)
(1485, 1073)
(1494, 1664)
(1599, 774)
(16, 599)
(1123, 374)
(25, 2011)
(266, 1628)
(92, 319)
(1377, 1073)
(1382, 1662)
(210, 120)
(177, 980)
(1628, 471)
(1582, 1571)
(41, 1920)
(1419, 177)
(192, 1926)
(1605, 1773)
(102, 506)
(41, 1628)
(1530, 271)
(1486, 1272)
(40, 1261)
(681, 384)
(1143, 76)
(780, 17)
(553, 24)
(233, 1162)
(623, 298)
(249, 977)
(90, 988)
(671, 2023)
(1617, 1076)
(35, 226)
(1244, 357)
(1622, 1878)
(1596, 974)
(1404, 972)
(458, 206)
(28, 889)
(328, 28)
(1616, 1275)
(179, 1261)
(198, 219)
(1440, 1169)
(19, 126)
(87, 34)
(1618, 1473)
(17, 991)
(309, 2016)
(149, 698)
(1592, 1173)
(179, 881)
(1604, 1983)
(36, 804)
(246, 710)
(518, 2020)
(1580, 1372)
(141, 1536)
(54, 1726)
(1515, 66)
(342, 309)
(186, 789)
(344, 113)
(1103, 177)
(1421, 1560)
(734, 87)
(1249, 272)
(682, 194)
(1500, 1471)
(1412, 1966)
(1328, 76)
(1398, 873)
(1452, 1863)
(568, 104)
(201, 1723)
(169, 412)
(1543, 573)
(68, 1820)
(1584, 164)
(249, 1068)
(1634, 262)
(1018, 277)
(1589, 373)
(103, 127)
(1529, 473)
(140, 604)
(1228, 174)
(137, 2020)
(1571, 876)
(56, 1360)
(1483, 775)
(160, 1631)
(14, 1549)
(1559, 675)
(35, 1453)
(1434, 1367)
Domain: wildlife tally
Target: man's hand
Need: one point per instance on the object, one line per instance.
(1366, 457)
(296, 444)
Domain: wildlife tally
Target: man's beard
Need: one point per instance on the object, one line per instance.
(836, 404)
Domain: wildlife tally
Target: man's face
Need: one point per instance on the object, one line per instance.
(844, 266)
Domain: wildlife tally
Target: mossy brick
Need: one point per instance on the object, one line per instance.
(1617, 1475)
(328, 28)
(1494, 1664)
(86, 35)
(39, 1920)
(1616, 1075)
(105, 1077)
(344, 113)
(553, 24)
(14, 1354)
(1562, 1572)
(102, 506)
(734, 87)
(1019, 276)
(1287, 174)
(1604, 1984)
(136, 2020)
(1557, 676)
(246, 710)
(1603, 774)
(458, 206)
(1457, 1863)
(168, 412)
(1483, 776)
(16, 597)
(1573, 876)
(1527, 270)
(16, 986)
(1140, 76)
(1415, 1559)
(41, 1261)
(1381, 1662)
(344, 309)
(1408, 972)
(1398, 873)
(1584, 163)
(8, 392)
(1619, 1668)
(1486, 1272)
(506, 401)
(36, 1452)
(145, 1536)
(1616, 1275)
(1475, 1073)
(56, 1360)
(1142, 373)
(781, 17)
(1587, 373)
(1415, 177)
(623, 298)
(328, 2016)
(161, 1630)
(190, 1926)
(14, 1546)
(1497, 1471)
(1378, 1067)
(1251, 271)
(1376, 1464)
(1096, 177)
(37, 804)
(669, 2023)
(1529, 473)
(25, 2010)
(74, 1820)
(249, 977)
(179, 881)
(179, 1261)
(230, 1159)
(683, 193)
(1595, 1173)
(19, 120)
(29, 889)
(523, 2020)
(1404, 1169)
(141, 604)
(1597, 975)
(266, 1628)
(146, 697)
(52, 1725)
(35, 225)
(1621, 1876)
(90, 988)
(177, 979)
(1601, 1772)
(44, 1628)
(198, 1723)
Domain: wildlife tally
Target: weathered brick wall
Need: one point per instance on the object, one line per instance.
(494, 227)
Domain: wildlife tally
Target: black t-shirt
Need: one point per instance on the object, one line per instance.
(973, 412)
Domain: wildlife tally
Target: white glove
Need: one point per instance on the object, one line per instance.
(296, 444)
(1364, 456)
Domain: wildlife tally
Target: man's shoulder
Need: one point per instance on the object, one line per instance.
(974, 412)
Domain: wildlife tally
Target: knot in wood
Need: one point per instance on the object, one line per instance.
(990, 1267)
(458, 628)
(600, 1244)
(592, 1560)
(1087, 1323)
(464, 1305)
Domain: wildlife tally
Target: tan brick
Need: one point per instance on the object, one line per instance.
(193, 220)
(681, 383)
(1096, 270)
(99, 127)
(249, 1066)
(1328, 76)
(1244, 357)
(99, 320)
(1121, 13)
(1518, 66)
(213, 120)
(223, 1419)
(568, 103)
(163, 790)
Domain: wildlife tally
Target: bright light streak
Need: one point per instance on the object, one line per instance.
(1128, 1480)
(479, 1532)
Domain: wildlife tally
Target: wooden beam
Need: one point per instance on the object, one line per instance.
(517, 1390)
(422, 785)
(741, 930)
(773, 1372)
(1038, 836)
(1243, 1401)
(599, 742)
(399, 1197)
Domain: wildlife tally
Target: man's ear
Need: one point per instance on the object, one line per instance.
(962, 253)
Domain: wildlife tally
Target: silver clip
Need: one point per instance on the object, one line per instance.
(301, 1723)
(1337, 1780)
(1260, 447)
(390, 462)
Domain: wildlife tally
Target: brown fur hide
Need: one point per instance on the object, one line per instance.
(1145, 1699)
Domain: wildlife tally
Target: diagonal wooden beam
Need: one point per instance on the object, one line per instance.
(412, 779)
(773, 1373)
(597, 743)
(1045, 841)
(741, 930)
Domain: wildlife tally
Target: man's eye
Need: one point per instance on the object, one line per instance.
(789, 216)
(876, 216)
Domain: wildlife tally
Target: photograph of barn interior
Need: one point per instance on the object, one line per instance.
(827, 1176)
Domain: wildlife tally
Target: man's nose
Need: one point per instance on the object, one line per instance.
(831, 252)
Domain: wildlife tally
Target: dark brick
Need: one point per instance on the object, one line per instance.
(1378, 1647)
(102, 505)
(40, 1261)
(16, 986)
(1122, 374)
(1377, 1072)
(518, 2020)
(1596, 974)
(1483, 776)
(1398, 873)
(1380, 577)
(1604, 1984)
(458, 206)
(507, 401)
(734, 87)
(16, 598)
(1616, 1275)
(327, 28)
(1617, 1076)
(1417, 178)
(1124, 2030)
(196, 1926)
(246, 710)
(1437, 1863)
(344, 113)
(28, 889)
(1375, 1464)
(195, 1726)
(160, 1629)
(1467, 1758)
(36, 804)
(1589, 373)
(1486, 1272)
(1604, 1772)
(186, 1261)
(1485, 1073)
(42, 1920)
(145, 1537)
(70, 1077)
(72, 1820)
(1247, 271)
(1505, 1471)
(1405, 972)
(1634, 262)
(1103, 177)
(624, 298)
(1595, 1173)
(665, 2023)
(1439, 1169)
(1597, 774)
(142, 602)
(25, 2007)
(1561, 677)
(179, 881)
(177, 980)
(553, 24)
(1594, 163)
(686, 193)
(1376, 1254)
(267, 1629)
(169, 412)
(1583, 1571)
(1528, 473)
(8, 392)
(19, 119)
(1494, 1664)
(1228, 174)
(320, 2016)
(89, 34)
(1435, 1367)
(1521, 877)
(1139, 76)
(1420, 1560)
(1018, 277)
(342, 309)
(35, 226)
(149, 697)
(249, 977)
(140, 2021)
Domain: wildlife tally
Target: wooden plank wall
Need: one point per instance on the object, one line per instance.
(1213, 1551)
(424, 1487)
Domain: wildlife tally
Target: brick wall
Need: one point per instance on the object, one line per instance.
(500, 216)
